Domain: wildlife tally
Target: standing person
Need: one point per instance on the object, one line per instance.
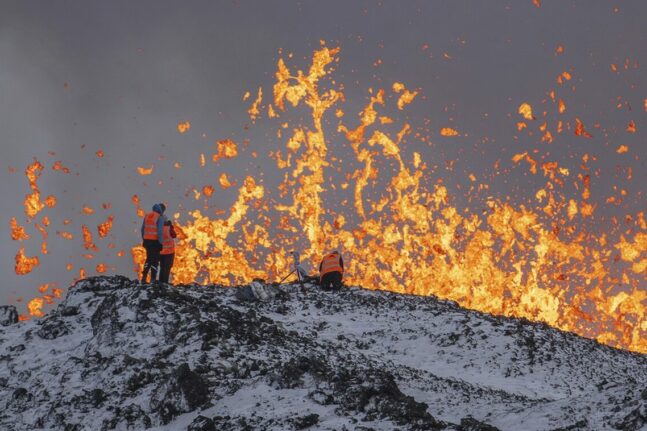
(153, 234)
(331, 269)
(167, 255)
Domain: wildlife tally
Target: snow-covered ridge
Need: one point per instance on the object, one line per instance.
(117, 355)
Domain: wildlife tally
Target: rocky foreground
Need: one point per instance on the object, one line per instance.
(117, 355)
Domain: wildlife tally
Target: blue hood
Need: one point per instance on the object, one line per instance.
(158, 208)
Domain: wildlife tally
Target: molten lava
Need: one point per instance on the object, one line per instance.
(24, 264)
(399, 228)
(506, 259)
(183, 127)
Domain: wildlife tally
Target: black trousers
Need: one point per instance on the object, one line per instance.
(331, 281)
(166, 263)
(153, 248)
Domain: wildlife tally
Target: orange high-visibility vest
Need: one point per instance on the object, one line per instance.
(168, 246)
(331, 263)
(150, 225)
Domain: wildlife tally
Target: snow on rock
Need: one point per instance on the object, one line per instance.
(8, 315)
(119, 355)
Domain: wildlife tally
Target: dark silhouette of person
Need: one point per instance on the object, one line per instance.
(153, 234)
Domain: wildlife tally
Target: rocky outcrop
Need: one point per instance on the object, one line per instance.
(181, 392)
(8, 315)
(119, 355)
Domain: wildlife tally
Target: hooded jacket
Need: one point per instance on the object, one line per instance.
(160, 223)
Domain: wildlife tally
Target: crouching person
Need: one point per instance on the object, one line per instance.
(167, 255)
(331, 269)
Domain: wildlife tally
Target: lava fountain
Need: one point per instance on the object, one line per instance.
(399, 224)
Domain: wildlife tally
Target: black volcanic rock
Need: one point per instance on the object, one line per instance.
(292, 372)
(183, 391)
(375, 394)
(202, 423)
(192, 386)
(306, 421)
(471, 424)
(8, 315)
(636, 420)
(130, 417)
(52, 327)
(577, 426)
(69, 311)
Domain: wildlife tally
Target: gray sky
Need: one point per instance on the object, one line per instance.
(81, 76)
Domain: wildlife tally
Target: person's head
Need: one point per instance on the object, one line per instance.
(159, 208)
(168, 223)
(335, 252)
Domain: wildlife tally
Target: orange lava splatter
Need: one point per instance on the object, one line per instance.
(145, 171)
(58, 166)
(224, 181)
(226, 149)
(18, 232)
(254, 110)
(35, 307)
(183, 127)
(105, 227)
(207, 190)
(525, 110)
(406, 97)
(88, 242)
(65, 235)
(448, 131)
(32, 202)
(50, 201)
(25, 265)
(579, 129)
(140, 211)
